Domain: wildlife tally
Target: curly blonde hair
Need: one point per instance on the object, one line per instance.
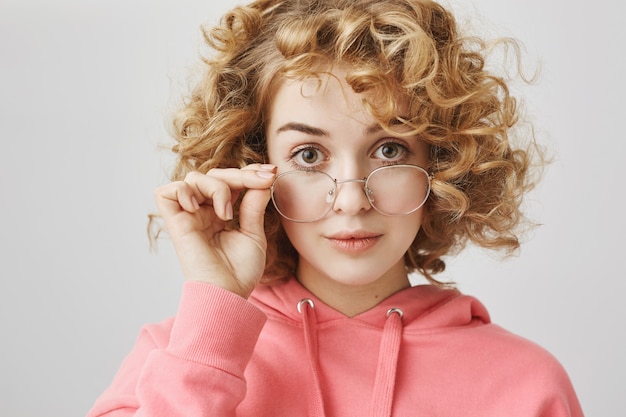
(411, 47)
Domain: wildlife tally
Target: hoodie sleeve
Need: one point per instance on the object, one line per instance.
(194, 369)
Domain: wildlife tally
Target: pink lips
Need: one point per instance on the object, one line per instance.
(353, 242)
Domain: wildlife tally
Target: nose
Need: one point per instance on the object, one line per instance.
(351, 198)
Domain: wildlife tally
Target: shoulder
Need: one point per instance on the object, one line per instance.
(507, 353)
(462, 334)
(522, 368)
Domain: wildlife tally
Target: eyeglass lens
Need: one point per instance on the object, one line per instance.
(307, 196)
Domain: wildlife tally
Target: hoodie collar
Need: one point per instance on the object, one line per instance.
(424, 307)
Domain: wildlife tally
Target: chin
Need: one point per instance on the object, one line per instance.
(355, 277)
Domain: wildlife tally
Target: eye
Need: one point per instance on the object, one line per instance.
(307, 156)
(391, 151)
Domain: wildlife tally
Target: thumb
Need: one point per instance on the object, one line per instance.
(252, 212)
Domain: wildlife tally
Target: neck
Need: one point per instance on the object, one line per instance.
(353, 299)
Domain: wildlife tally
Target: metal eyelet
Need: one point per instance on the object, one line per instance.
(395, 310)
(303, 301)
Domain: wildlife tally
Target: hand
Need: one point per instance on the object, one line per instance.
(196, 211)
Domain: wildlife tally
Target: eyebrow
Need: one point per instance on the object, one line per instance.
(303, 128)
(316, 131)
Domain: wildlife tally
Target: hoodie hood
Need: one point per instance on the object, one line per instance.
(424, 308)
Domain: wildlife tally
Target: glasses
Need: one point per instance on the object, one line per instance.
(308, 196)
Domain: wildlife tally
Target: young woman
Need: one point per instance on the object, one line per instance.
(332, 148)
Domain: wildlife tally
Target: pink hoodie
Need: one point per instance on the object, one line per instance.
(424, 351)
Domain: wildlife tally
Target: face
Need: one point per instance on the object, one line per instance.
(324, 127)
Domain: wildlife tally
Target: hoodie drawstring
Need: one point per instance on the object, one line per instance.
(307, 309)
(385, 380)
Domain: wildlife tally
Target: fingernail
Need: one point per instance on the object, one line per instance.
(268, 167)
(265, 174)
(229, 211)
(195, 203)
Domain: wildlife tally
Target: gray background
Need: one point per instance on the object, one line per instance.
(86, 88)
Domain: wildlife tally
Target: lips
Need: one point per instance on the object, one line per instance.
(354, 242)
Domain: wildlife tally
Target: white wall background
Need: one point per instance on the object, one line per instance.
(85, 91)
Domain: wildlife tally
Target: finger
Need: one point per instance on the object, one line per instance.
(268, 168)
(252, 212)
(210, 190)
(256, 176)
(251, 177)
(175, 196)
(260, 167)
(195, 190)
(219, 188)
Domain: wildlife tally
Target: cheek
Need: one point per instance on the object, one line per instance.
(405, 229)
(301, 236)
(296, 231)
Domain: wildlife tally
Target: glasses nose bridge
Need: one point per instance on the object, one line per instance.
(361, 180)
(357, 180)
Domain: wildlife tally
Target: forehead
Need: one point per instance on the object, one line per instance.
(327, 96)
